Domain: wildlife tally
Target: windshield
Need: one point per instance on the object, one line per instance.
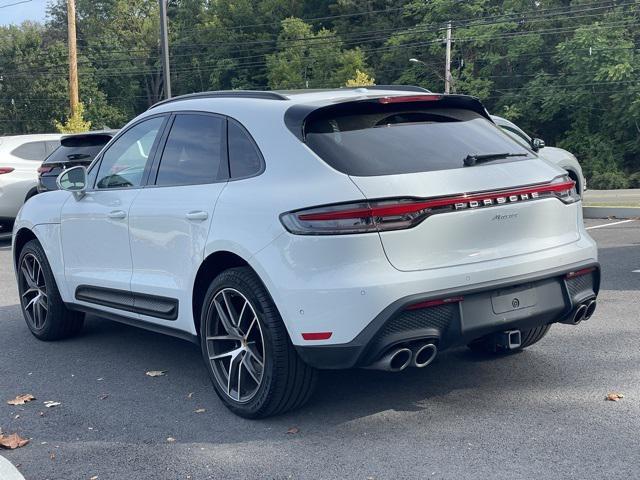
(400, 140)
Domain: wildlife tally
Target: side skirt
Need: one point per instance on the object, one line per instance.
(174, 332)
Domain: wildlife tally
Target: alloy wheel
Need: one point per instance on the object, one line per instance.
(235, 345)
(33, 291)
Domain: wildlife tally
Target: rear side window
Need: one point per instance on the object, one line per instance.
(194, 152)
(375, 139)
(30, 151)
(244, 157)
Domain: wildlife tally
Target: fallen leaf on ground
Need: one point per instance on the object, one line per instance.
(190, 395)
(156, 373)
(200, 410)
(293, 430)
(614, 396)
(51, 403)
(21, 399)
(16, 417)
(12, 441)
(171, 439)
(95, 477)
(52, 456)
(41, 414)
(104, 396)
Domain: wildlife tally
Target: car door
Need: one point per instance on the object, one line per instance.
(94, 228)
(170, 219)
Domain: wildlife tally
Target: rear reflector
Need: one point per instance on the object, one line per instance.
(6, 170)
(434, 303)
(43, 169)
(410, 98)
(403, 213)
(317, 336)
(578, 273)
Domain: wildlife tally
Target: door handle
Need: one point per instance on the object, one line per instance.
(117, 214)
(197, 215)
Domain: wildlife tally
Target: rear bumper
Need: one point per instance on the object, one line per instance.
(551, 297)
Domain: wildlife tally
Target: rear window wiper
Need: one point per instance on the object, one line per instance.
(471, 160)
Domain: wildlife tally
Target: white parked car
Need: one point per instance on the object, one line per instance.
(295, 231)
(20, 157)
(555, 155)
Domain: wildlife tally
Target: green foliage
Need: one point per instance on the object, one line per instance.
(76, 122)
(310, 60)
(360, 79)
(564, 71)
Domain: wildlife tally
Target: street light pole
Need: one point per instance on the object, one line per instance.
(164, 45)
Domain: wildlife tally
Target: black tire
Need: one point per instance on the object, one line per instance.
(58, 321)
(286, 382)
(528, 338)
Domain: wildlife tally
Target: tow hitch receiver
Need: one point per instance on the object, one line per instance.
(508, 340)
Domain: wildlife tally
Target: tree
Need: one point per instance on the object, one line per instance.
(311, 60)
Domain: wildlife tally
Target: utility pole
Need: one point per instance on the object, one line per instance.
(164, 44)
(73, 56)
(447, 66)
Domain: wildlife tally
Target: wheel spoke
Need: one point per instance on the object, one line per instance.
(246, 363)
(30, 291)
(229, 306)
(253, 322)
(226, 322)
(244, 307)
(231, 353)
(228, 338)
(232, 374)
(254, 355)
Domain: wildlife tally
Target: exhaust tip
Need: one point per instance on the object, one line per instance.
(590, 310)
(424, 355)
(579, 315)
(400, 359)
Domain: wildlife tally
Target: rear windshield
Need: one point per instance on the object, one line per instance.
(395, 139)
(84, 151)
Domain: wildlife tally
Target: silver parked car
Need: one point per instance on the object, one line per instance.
(557, 156)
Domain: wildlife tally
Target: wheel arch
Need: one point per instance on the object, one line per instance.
(21, 237)
(573, 175)
(214, 264)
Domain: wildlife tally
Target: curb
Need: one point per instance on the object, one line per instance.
(609, 212)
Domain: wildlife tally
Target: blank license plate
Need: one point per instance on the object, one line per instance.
(515, 298)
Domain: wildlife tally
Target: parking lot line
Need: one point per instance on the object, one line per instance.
(610, 224)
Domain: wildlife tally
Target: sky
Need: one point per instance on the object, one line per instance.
(30, 10)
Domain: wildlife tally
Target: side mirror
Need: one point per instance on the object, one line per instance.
(73, 180)
(537, 144)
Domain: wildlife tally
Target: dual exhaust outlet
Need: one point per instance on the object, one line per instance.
(418, 355)
(584, 311)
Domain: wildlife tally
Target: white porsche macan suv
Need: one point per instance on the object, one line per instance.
(287, 232)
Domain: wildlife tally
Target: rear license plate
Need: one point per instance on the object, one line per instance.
(515, 298)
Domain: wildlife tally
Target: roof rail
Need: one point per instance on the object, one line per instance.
(225, 94)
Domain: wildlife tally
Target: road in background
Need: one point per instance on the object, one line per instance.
(540, 413)
(613, 198)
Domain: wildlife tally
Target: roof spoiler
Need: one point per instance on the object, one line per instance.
(296, 116)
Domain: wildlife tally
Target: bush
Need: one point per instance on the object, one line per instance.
(608, 180)
(634, 180)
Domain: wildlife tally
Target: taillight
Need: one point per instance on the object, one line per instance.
(42, 169)
(402, 213)
(565, 189)
(6, 170)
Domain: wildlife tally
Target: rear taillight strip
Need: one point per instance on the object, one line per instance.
(401, 213)
(472, 201)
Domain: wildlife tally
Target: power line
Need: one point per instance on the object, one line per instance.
(15, 3)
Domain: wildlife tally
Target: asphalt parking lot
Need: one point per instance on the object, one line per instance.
(539, 413)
